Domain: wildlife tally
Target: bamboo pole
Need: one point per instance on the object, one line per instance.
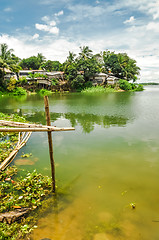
(20, 124)
(35, 129)
(50, 142)
(21, 142)
(31, 125)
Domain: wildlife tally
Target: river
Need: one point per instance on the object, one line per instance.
(108, 167)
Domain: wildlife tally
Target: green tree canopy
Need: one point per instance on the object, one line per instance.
(52, 66)
(33, 62)
(121, 65)
(87, 63)
(7, 61)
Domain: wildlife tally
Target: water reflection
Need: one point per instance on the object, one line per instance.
(86, 121)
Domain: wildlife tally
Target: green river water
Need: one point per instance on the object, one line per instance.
(110, 161)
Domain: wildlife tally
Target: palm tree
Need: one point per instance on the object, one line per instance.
(41, 59)
(5, 53)
(71, 57)
(5, 59)
(85, 52)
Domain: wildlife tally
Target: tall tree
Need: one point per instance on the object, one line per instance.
(41, 59)
(70, 67)
(5, 60)
(33, 62)
(52, 66)
(121, 65)
(87, 63)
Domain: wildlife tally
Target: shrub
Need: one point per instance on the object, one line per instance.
(19, 91)
(125, 85)
(54, 81)
(11, 85)
(88, 84)
(22, 80)
(78, 83)
(45, 92)
(140, 87)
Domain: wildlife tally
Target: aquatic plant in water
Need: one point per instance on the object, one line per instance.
(25, 192)
(19, 193)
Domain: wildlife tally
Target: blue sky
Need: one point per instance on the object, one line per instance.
(55, 27)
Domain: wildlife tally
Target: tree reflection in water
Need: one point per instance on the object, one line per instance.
(86, 121)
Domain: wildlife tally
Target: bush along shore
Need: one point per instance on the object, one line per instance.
(121, 85)
(20, 196)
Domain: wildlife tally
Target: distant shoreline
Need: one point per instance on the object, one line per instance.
(150, 83)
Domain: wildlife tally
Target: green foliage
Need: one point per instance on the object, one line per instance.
(22, 81)
(78, 83)
(150, 83)
(139, 87)
(125, 85)
(11, 84)
(87, 63)
(19, 91)
(7, 60)
(54, 81)
(27, 191)
(44, 92)
(88, 84)
(34, 62)
(37, 75)
(121, 65)
(52, 66)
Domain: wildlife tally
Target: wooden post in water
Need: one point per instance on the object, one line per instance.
(50, 142)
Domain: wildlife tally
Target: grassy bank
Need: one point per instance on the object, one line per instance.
(122, 85)
(98, 89)
(18, 91)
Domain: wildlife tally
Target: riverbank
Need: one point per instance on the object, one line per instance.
(122, 85)
(20, 196)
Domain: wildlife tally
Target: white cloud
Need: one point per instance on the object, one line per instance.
(60, 13)
(153, 26)
(79, 12)
(48, 28)
(145, 6)
(45, 19)
(35, 36)
(8, 9)
(130, 20)
(42, 27)
(52, 23)
(54, 30)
